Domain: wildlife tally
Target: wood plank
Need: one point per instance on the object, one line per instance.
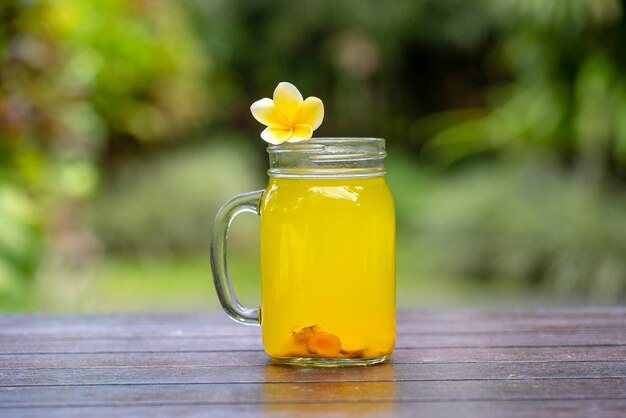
(258, 358)
(12, 345)
(246, 393)
(286, 374)
(499, 409)
(220, 330)
(216, 323)
(448, 314)
(468, 362)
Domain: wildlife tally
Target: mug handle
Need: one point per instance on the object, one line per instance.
(246, 202)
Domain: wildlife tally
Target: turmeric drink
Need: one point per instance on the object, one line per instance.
(328, 268)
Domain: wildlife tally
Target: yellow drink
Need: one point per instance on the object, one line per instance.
(328, 268)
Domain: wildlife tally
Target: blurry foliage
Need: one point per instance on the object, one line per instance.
(78, 77)
(377, 65)
(491, 84)
(166, 204)
(456, 77)
(20, 243)
(566, 93)
(516, 110)
(532, 223)
(552, 214)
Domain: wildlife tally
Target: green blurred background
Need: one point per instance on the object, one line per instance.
(124, 124)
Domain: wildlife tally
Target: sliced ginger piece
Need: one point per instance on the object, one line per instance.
(303, 334)
(324, 344)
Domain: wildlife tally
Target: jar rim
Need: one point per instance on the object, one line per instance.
(328, 157)
(323, 140)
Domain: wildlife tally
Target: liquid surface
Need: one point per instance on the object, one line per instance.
(328, 268)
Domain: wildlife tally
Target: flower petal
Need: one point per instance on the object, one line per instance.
(275, 136)
(287, 100)
(265, 112)
(311, 113)
(300, 133)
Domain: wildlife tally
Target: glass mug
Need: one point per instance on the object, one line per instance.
(327, 254)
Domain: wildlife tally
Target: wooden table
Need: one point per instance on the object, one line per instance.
(448, 363)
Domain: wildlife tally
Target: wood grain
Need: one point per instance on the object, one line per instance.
(486, 409)
(257, 358)
(540, 362)
(230, 343)
(338, 391)
(412, 321)
(285, 374)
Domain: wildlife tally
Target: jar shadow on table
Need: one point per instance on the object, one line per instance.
(361, 390)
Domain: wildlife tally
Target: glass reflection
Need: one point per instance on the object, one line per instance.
(348, 390)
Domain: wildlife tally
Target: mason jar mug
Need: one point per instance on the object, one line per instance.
(327, 254)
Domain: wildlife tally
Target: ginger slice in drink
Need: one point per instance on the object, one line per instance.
(324, 344)
(303, 334)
